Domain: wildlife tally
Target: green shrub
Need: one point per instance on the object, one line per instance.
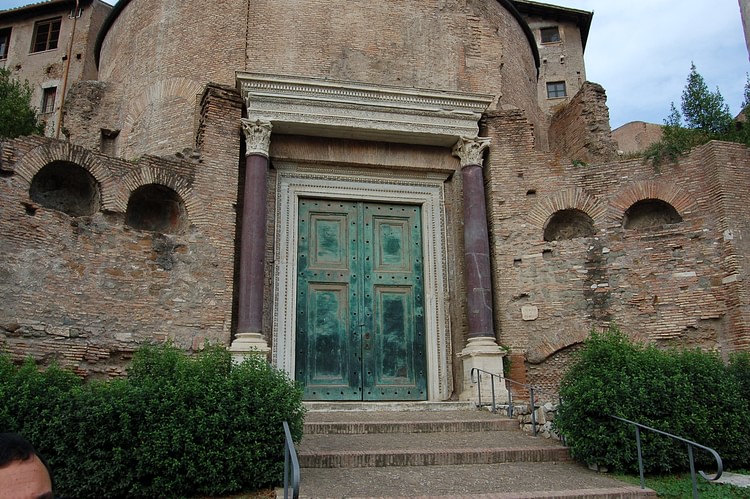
(35, 403)
(739, 369)
(715, 414)
(177, 426)
(689, 394)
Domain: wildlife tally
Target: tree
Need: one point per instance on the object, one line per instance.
(707, 117)
(746, 94)
(17, 116)
(704, 110)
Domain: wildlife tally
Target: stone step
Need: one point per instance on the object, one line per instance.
(353, 428)
(438, 450)
(318, 423)
(399, 407)
(429, 457)
(422, 449)
(563, 480)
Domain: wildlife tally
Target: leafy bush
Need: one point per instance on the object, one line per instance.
(739, 368)
(177, 426)
(17, 116)
(689, 394)
(35, 403)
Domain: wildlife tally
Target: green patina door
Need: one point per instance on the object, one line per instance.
(360, 313)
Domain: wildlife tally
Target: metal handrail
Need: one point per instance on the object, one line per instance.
(290, 457)
(690, 445)
(531, 389)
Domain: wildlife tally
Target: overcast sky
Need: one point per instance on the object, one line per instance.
(641, 50)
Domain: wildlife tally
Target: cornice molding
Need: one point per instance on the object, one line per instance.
(330, 108)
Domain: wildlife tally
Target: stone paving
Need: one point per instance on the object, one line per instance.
(735, 479)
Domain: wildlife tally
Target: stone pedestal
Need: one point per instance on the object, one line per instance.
(485, 354)
(246, 344)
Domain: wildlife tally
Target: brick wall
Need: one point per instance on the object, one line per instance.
(580, 129)
(636, 136)
(159, 55)
(86, 291)
(679, 284)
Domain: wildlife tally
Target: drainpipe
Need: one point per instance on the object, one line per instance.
(69, 55)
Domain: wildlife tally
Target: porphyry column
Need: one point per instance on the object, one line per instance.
(249, 338)
(481, 351)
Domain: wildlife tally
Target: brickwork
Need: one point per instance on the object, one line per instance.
(726, 176)
(636, 136)
(154, 68)
(580, 130)
(676, 284)
(679, 284)
(86, 291)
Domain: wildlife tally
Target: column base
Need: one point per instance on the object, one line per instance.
(246, 344)
(484, 354)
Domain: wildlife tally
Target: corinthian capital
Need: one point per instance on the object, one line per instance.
(470, 150)
(257, 136)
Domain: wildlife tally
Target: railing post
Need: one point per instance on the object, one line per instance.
(290, 457)
(479, 388)
(286, 470)
(692, 471)
(533, 410)
(640, 456)
(492, 382)
(510, 403)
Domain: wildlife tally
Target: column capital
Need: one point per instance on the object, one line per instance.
(257, 136)
(470, 150)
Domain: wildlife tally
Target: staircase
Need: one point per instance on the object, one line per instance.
(443, 450)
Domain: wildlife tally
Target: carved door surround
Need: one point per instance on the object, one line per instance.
(327, 182)
(362, 111)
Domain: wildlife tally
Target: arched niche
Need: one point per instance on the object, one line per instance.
(67, 187)
(156, 208)
(650, 213)
(568, 224)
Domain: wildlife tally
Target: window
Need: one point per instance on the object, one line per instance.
(46, 35)
(48, 99)
(550, 35)
(4, 42)
(556, 89)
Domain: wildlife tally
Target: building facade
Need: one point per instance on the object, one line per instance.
(51, 45)
(372, 194)
(745, 13)
(561, 34)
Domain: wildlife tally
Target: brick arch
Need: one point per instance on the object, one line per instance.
(668, 192)
(36, 159)
(542, 349)
(566, 200)
(182, 88)
(149, 175)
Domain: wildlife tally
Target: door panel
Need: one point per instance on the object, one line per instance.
(329, 360)
(360, 324)
(394, 364)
